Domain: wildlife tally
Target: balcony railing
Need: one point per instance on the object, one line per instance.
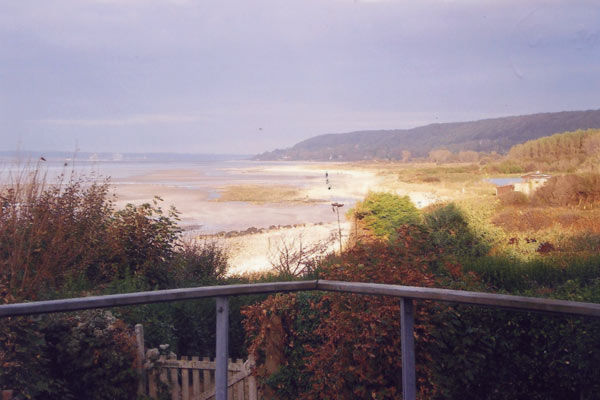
(407, 295)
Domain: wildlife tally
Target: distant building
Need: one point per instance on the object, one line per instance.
(529, 184)
(500, 190)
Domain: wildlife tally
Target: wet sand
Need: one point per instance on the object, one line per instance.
(266, 203)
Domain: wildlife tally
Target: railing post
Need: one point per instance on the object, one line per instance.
(222, 350)
(407, 322)
(141, 358)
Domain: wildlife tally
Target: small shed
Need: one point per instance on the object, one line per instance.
(531, 182)
(500, 190)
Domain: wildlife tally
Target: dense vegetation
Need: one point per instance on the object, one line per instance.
(67, 239)
(382, 213)
(343, 346)
(489, 135)
(567, 151)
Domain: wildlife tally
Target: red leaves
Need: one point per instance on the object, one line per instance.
(354, 351)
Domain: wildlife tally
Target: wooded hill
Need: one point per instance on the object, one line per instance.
(497, 134)
(568, 151)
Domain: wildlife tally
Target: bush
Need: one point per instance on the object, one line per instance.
(67, 237)
(486, 353)
(189, 326)
(510, 274)
(523, 220)
(450, 231)
(383, 213)
(581, 191)
(505, 167)
(347, 346)
(49, 233)
(323, 345)
(87, 355)
(513, 199)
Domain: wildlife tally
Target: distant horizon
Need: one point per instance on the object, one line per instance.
(112, 157)
(250, 155)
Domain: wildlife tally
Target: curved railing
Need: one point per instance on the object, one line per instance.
(406, 294)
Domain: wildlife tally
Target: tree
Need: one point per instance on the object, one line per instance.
(440, 155)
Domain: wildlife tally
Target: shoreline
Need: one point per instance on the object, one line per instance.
(251, 208)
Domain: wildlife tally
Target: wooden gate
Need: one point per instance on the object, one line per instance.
(190, 378)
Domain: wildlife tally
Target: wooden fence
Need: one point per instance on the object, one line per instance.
(190, 378)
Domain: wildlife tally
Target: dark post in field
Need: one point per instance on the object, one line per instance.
(335, 207)
(222, 350)
(407, 322)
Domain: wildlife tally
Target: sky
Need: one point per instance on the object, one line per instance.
(247, 76)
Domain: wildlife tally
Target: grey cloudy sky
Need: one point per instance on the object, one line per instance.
(252, 75)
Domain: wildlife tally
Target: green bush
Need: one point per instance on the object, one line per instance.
(513, 275)
(450, 231)
(86, 355)
(486, 353)
(383, 213)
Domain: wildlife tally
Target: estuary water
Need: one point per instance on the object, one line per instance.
(193, 187)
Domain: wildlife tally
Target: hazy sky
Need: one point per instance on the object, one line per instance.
(252, 75)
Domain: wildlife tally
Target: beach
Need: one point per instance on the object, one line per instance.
(250, 207)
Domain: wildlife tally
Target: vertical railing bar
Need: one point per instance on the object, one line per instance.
(407, 321)
(140, 358)
(222, 348)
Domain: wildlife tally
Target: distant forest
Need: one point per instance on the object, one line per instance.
(496, 135)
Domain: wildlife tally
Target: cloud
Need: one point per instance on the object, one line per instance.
(140, 119)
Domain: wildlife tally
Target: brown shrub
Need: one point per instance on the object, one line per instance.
(581, 191)
(517, 220)
(513, 199)
(47, 232)
(347, 346)
(429, 179)
(569, 219)
(68, 231)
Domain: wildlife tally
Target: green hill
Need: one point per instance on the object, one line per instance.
(497, 134)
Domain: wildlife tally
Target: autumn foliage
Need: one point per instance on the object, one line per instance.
(348, 346)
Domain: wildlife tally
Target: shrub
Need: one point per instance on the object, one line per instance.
(87, 355)
(49, 233)
(347, 346)
(144, 240)
(486, 353)
(199, 263)
(570, 190)
(383, 213)
(67, 236)
(450, 231)
(513, 275)
(429, 179)
(505, 167)
(513, 199)
(523, 220)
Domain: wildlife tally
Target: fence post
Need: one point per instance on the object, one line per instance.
(141, 354)
(407, 321)
(222, 350)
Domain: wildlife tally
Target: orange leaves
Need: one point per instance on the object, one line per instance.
(346, 345)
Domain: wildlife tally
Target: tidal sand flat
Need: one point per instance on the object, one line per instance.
(271, 202)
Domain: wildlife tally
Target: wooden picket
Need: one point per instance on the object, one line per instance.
(190, 378)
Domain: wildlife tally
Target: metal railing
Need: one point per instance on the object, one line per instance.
(406, 294)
